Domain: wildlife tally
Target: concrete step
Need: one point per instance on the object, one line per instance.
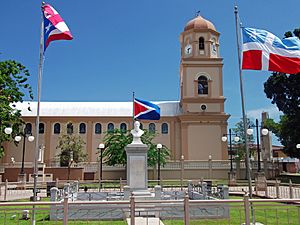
(146, 221)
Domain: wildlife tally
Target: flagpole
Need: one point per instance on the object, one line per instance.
(37, 122)
(248, 170)
(133, 97)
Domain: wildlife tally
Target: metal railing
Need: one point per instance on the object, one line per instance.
(266, 211)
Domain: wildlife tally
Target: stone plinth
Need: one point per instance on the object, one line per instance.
(22, 177)
(137, 169)
(231, 178)
(260, 181)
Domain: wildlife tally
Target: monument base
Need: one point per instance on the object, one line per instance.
(231, 178)
(137, 168)
(260, 181)
(22, 181)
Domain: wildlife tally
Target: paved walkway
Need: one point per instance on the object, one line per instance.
(13, 194)
(146, 221)
(284, 191)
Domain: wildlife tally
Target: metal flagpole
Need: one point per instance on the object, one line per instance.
(248, 170)
(133, 97)
(37, 122)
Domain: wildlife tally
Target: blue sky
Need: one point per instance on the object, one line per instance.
(124, 46)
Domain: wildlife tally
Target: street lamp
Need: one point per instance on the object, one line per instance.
(236, 139)
(71, 160)
(158, 146)
(298, 146)
(101, 147)
(182, 170)
(8, 130)
(18, 138)
(264, 132)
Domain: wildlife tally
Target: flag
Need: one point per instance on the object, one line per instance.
(262, 50)
(145, 110)
(54, 26)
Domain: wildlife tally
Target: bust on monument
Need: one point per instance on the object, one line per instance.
(137, 133)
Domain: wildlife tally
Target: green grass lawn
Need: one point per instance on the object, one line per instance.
(270, 213)
(266, 213)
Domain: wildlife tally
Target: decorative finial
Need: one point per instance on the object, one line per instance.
(198, 13)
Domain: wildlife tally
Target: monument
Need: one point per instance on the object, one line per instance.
(137, 169)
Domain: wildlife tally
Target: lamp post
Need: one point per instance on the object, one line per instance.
(18, 138)
(71, 160)
(101, 147)
(182, 170)
(158, 146)
(236, 139)
(264, 132)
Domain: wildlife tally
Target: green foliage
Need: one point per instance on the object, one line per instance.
(240, 147)
(116, 141)
(284, 92)
(287, 130)
(71, 146)
(13, 88)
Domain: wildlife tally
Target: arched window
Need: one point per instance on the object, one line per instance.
(28, 128)
(201, 43)
(69, 128)
(82, 128)
(164, 128)
(57, 128)
(152, 128)
(123, 127)
(41, 128)
(202, 85)
(98, 128)
(141, 126)
(110, 127)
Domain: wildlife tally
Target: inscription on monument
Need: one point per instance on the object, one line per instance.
(137, 176)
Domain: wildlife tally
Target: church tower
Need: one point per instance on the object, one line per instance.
(203, 121)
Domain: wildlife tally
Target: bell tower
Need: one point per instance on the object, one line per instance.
(203, 121)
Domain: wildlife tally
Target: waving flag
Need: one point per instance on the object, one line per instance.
(145, 110)
(262, 50)
(54, 26)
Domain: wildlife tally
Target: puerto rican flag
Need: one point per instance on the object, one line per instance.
(262, 50)
(54, 26)
(144, 110)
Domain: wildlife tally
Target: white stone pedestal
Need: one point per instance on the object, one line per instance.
(231, 178)
(260, 181)
(137, 169)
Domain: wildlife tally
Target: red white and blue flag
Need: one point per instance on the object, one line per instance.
(54, 26)
(262, 50)
(144, 110)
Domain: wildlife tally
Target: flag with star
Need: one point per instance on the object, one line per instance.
(54, 26)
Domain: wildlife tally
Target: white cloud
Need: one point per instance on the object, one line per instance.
(272, 110)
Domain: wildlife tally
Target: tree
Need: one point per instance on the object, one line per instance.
(284, 91)
(240, 145)
(71, 147)
(13, 88)
(116, 141)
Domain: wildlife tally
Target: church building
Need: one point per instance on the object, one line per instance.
(192, 126)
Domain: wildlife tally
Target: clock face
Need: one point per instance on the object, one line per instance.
(188, 49)
(214, 49)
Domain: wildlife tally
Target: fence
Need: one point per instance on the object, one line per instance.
(13, 190)
(212, 169)
(266, 211)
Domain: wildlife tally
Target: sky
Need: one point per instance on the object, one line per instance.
(124, 46)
